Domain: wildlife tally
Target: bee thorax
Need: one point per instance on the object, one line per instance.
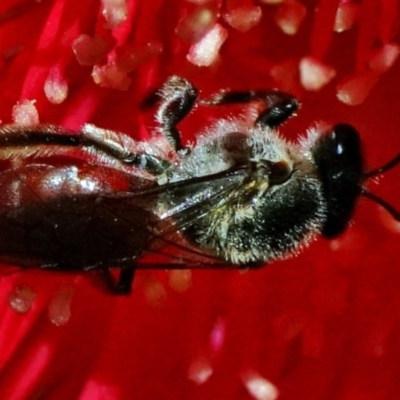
(251, 226)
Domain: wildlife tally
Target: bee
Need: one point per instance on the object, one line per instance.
(241, 196)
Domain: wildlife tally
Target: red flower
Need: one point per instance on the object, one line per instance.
(322, 325)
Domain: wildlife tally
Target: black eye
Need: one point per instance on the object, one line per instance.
(340, 167)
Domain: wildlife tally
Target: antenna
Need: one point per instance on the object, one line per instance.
(392, 163)
(389, 208)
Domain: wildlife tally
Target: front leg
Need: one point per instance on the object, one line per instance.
(280, 105)
(178, 98)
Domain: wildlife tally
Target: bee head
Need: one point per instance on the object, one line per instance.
(339, 162)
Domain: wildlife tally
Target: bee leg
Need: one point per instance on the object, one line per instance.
(178, 98)
(121, 148)
(123, 284)
(152, 164)
(280, 105)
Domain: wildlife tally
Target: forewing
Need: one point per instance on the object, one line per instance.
(176, 207)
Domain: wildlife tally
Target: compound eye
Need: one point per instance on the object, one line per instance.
(339, 162)
(345, 143)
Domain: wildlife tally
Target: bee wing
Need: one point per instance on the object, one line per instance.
(176, 207)
(172, 199)
(160, 215)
